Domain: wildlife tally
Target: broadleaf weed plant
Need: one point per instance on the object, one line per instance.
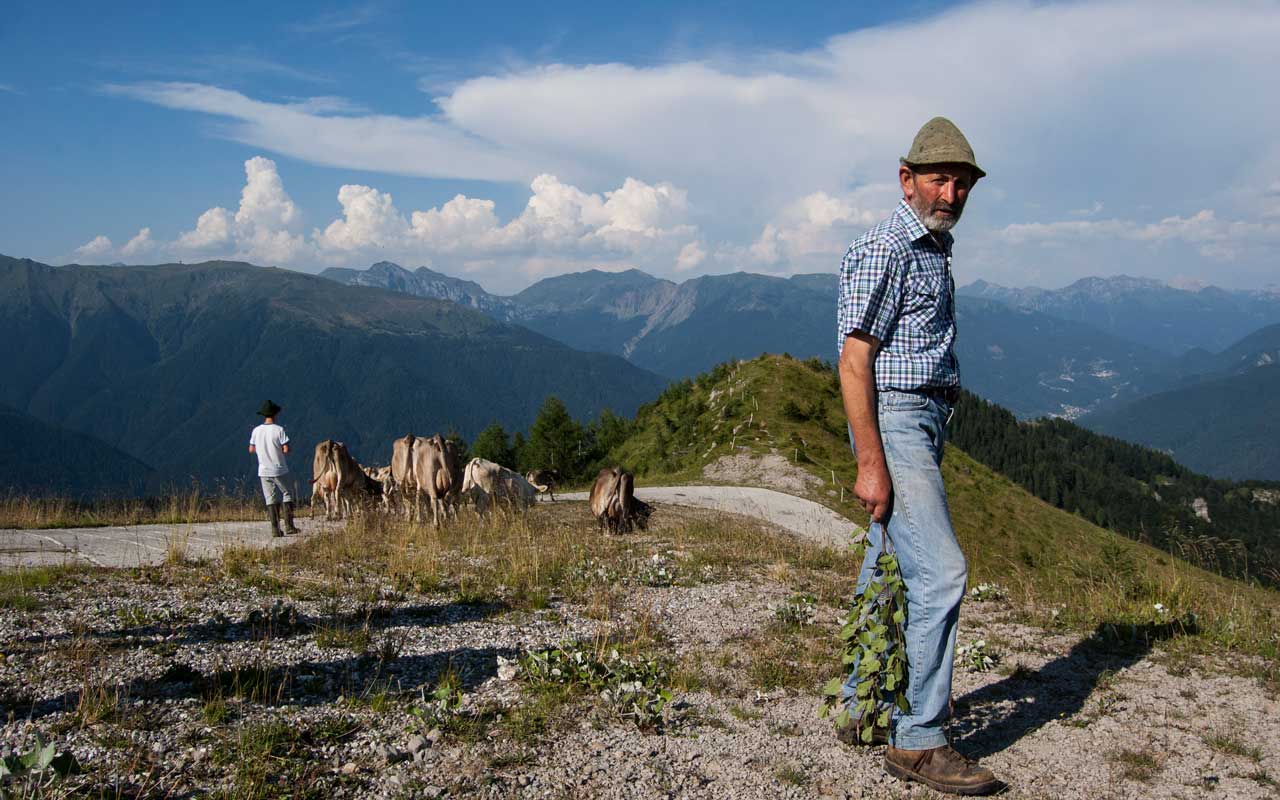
(637, 689)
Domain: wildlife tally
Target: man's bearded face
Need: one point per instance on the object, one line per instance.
(938, 195)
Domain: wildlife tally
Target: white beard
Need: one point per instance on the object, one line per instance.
(938, 224)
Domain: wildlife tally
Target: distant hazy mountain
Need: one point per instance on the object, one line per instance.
(422, 282)
(1028, 361)
(1226, 426)
(1259, 349)
(1147, 311)
(168, 363)
(1038, 365)
(39, 458)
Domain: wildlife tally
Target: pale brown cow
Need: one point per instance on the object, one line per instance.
(339, 481)
(433, 473)
(404, 485)
(457, 470)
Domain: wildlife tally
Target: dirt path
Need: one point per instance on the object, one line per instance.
(137, 545)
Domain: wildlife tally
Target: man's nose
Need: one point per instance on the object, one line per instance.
(949, 192)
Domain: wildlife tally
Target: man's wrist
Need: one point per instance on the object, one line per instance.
(871, 461)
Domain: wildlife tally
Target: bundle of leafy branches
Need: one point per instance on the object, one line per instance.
(873, 645)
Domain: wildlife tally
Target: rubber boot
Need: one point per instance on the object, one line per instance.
(273, 514)
(288, 519)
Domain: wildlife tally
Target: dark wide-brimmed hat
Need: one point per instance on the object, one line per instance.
(941, 142)
(269, 409)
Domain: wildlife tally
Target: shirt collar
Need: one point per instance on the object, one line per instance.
(916, 229)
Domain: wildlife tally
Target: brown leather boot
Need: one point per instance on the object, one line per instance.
(941, 768)
(273, 514)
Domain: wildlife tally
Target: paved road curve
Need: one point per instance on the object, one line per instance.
(135, 545)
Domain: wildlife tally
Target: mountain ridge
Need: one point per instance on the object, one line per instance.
(681, 329)
(168, 362)
(1147, 311)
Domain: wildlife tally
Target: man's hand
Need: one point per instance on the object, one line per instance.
(874, 490)
(858, 389)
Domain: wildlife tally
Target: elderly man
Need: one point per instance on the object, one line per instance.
(900, 381)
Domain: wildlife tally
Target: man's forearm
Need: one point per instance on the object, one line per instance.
(858, 390)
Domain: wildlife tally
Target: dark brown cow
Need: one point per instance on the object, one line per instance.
(613, 501)
(545, 481)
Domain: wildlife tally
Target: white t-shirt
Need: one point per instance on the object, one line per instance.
(268, 442)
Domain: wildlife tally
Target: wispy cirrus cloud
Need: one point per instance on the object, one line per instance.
(337, 20)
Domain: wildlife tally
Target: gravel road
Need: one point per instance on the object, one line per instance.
(804, 518)
(136, 545)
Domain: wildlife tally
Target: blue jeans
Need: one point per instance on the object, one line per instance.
(913, 429)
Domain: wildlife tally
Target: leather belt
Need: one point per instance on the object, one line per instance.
(947, 394)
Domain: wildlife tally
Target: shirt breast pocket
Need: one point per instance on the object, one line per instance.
(926, 289)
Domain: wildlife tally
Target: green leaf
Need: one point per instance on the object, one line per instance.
(46, 756)
(833, 687)
(882, 721)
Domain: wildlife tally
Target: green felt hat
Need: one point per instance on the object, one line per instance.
(941, 142)
(269, 409)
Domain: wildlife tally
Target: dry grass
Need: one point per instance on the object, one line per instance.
(1136, 765)
(525, 560)
(28, 512)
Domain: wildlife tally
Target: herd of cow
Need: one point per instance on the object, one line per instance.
(430, 470)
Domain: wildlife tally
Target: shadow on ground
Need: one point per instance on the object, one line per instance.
(306, 683)
(986, 723)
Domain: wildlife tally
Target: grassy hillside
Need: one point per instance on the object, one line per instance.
(1062, 568)
(1217, 427)
(42, 459)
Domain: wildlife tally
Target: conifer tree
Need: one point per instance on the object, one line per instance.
(492, 444)
(556, 441)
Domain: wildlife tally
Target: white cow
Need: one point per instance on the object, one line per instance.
(485, 481)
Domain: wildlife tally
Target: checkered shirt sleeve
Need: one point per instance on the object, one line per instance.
(870, 291)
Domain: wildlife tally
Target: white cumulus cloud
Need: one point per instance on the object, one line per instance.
(140, 244)
(96, 247)
(260, 230)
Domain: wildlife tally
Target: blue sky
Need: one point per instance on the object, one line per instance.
(511, 142)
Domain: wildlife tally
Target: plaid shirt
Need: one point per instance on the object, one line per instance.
(896, 285)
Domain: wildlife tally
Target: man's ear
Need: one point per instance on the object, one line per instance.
(906, 179)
